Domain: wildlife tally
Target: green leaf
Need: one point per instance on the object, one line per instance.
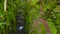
(52, 27)
(32, 2)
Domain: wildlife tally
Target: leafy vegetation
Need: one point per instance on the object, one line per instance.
(41, 16)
